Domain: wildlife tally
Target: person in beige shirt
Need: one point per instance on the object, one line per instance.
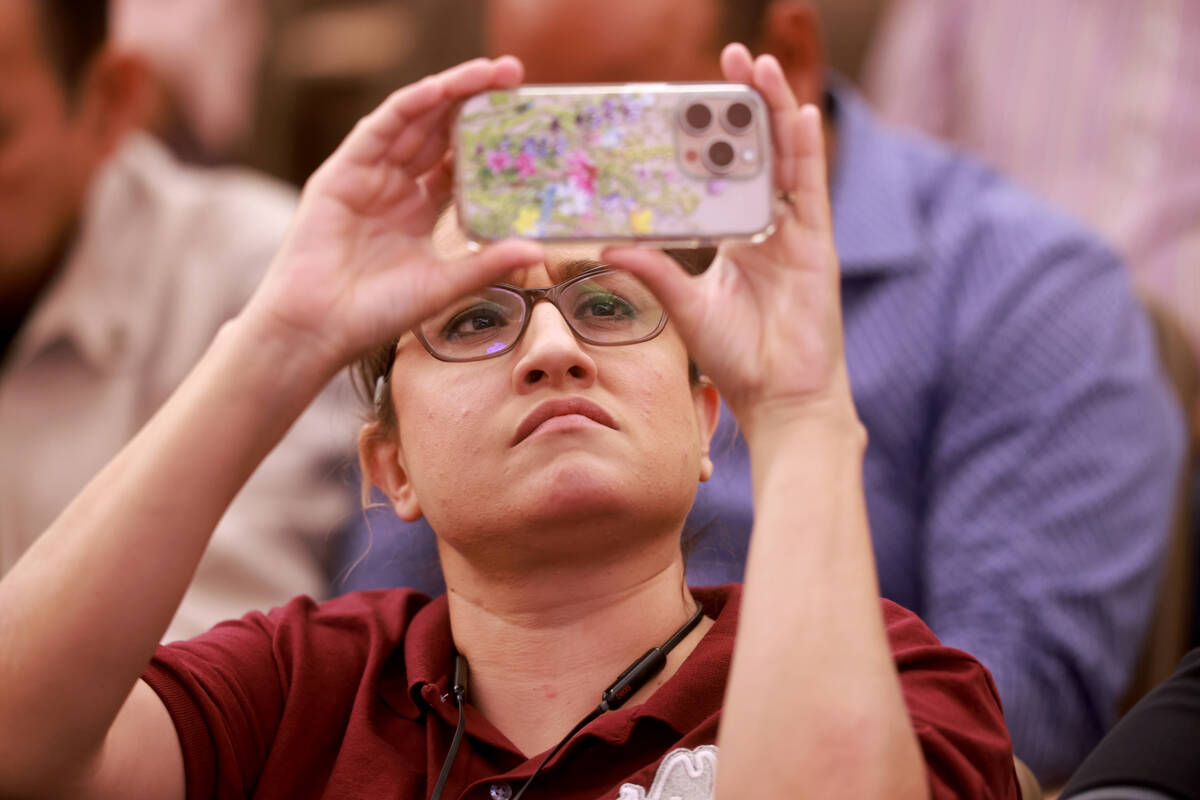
(117, 267)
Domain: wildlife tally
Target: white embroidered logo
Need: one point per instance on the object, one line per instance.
(683, 775)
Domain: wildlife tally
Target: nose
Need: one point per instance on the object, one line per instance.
(550, 355)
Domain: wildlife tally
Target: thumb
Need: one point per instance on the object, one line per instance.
(459, 276)
(414, 295)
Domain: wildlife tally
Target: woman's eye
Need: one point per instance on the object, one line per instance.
(473, 321)
(608, 305)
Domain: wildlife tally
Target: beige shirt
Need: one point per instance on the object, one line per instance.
(165, 255)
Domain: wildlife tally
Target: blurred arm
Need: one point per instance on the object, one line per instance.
(1052, 474)
(95, 593)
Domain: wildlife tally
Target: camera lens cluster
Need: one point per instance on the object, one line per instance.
(735, 118)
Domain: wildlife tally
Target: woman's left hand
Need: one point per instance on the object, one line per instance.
(764, 321)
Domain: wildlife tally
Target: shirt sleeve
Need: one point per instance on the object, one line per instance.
(955, 712)
(1054, 465)
(225, 693)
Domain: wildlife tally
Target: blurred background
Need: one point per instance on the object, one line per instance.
(276, 84)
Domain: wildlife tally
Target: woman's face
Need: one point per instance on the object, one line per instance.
(623, 443)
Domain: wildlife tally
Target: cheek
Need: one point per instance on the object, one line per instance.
(449, 423)
(445, 429)
(662, 401)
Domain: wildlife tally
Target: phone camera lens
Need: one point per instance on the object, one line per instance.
(720, 155)
(698, 117)
(738, 117)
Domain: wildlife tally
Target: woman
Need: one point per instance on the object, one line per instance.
(558, 474)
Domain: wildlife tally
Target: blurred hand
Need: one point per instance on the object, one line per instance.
(764, 321)
(357, 267)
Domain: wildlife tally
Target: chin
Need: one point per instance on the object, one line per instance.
(576, 509)
(575, 485)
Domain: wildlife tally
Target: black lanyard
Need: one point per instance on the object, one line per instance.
(635, 676)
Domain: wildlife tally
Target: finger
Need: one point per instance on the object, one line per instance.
(488, 266)
(810, 188)
(737, 64)
(770, 81)
(418, 155)
(427, 131)
(461, 83)
(674, 288)
(415, 212)
(437, 182)
(410, 295)
(791, 135)
(420, 107)
(768, 78)
(801, 169)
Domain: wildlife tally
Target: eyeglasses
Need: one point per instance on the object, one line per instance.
(602, 306)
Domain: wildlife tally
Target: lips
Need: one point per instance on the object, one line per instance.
(560, 408)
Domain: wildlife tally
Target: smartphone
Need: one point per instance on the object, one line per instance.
(680, 164)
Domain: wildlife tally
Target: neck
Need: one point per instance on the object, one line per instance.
(540, 659)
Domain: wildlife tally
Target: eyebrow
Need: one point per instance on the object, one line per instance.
(569, 269)
(559, 270)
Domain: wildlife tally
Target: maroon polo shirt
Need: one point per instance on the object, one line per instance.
(349, 699)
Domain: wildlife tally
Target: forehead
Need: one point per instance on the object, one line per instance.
(562, 261)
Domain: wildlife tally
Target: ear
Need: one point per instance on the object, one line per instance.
(792, 33)
(382, 462)
(117, 97)
(708, 413)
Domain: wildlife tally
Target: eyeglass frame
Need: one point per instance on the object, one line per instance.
(531, 297)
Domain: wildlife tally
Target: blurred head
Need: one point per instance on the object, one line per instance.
(579, 41)
(452, 441)
(66, 101)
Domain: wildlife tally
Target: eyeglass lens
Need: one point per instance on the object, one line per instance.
(603, 308)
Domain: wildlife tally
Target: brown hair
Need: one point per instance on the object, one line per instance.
(73, 32)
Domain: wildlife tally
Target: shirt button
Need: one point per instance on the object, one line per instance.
(501, 791)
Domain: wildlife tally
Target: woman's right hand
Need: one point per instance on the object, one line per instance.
(357, 267)
(764, 321)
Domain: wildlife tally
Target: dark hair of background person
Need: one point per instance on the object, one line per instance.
(72, 32)
(741, 21)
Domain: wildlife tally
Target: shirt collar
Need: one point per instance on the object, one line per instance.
(102, 302)
(683, 701)
(425, 660)
(875, 224)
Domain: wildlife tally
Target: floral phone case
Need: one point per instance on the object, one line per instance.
(685, 164)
